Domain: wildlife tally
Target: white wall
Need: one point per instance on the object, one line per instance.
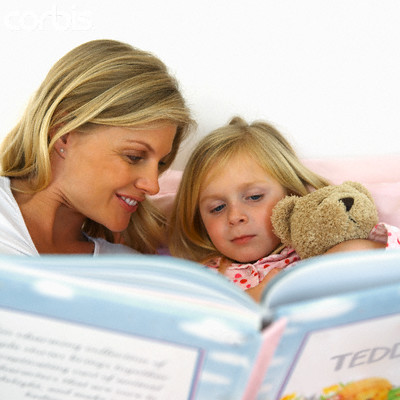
(325, 72)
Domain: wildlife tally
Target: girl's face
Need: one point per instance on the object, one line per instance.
(105, 173)
(236, 204)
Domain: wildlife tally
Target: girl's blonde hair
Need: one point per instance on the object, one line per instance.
(102, 82)
(188, 236)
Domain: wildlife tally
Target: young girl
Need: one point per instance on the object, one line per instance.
(222, 211)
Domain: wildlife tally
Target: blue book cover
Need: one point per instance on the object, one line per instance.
(342, 335)
(123, 328)
(160, 328)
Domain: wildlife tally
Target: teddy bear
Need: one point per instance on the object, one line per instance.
(314, 223)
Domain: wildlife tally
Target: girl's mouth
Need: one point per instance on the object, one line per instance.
(243, 239)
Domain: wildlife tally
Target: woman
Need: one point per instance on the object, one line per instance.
(77, 168)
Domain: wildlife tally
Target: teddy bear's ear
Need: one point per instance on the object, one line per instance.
(360, 188)
(280, 218)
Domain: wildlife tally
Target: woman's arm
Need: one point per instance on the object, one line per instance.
(349, 245)
(356, 244)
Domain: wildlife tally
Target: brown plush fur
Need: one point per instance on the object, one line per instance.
(314, 223)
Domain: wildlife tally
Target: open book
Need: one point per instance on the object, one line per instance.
(159, 328)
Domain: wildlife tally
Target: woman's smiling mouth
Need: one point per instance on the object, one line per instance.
(128, 203)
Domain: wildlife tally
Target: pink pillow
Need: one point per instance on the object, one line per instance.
(379, 174)
(169, 183)
(377, 169)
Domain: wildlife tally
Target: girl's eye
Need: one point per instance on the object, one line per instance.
(217, 209)
(161, 164)
(255, 197)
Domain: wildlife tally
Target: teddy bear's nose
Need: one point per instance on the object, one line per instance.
(348, 202)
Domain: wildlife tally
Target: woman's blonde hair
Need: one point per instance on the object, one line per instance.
(102, 82)
(188, 237)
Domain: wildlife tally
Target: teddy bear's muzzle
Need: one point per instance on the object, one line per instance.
(348, 202)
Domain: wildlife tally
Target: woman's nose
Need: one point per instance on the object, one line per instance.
(148, 181)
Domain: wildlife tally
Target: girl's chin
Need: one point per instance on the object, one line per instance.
(246, 260)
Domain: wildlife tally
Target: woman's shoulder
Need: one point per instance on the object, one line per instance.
(14, 235)
(5, 184)
(8, 205)
(6, 196)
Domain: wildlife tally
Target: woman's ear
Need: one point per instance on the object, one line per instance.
(60, 146)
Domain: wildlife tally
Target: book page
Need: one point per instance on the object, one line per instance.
(47, 359)
(348, 353)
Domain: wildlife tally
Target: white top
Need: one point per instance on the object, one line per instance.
(15, 237)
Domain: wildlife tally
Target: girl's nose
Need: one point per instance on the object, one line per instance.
(148, 181)
(237, 216)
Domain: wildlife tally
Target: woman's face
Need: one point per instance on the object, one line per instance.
(105, 173)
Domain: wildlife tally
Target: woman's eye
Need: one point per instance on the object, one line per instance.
(134, 159)
(217, 209)
(162, 164)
